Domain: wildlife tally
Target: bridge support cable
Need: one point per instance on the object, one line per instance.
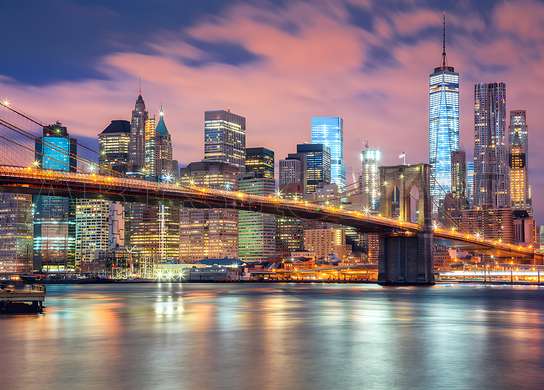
(27, 134)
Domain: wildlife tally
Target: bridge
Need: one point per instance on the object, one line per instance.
(405, 253)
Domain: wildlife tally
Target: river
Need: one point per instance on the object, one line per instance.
(277, 336)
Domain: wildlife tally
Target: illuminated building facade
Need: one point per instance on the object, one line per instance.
(491, 170)
(493, 224)
(541, 237)
(15, 233)
(152, 230)
(113, 143)
(166, 168)
(525, 231)
(443, 124)
(260, 161)
(326, 243)
(329, 131)
(470, 183)
(256, 231)
(289, 230)
(316, 165)
(225, 137)
(149, 148)
(458, 175)
(370, 178)
(137, 138)
(92, 232)
(519, 152)
(114, 157)
(290, 171)
(54, 216)
(209, 233)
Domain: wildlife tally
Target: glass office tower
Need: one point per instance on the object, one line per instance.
(316, 165)
(370, 177)
(329, 131)
(225, 137)
(54, 216)
(443, 124)
(261, 161)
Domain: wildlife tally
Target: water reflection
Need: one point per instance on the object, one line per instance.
(206, 336)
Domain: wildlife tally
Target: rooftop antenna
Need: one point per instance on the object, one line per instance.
(444, 40)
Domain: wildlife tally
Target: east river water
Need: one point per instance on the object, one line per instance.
(277, 336)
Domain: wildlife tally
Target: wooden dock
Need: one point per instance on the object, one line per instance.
(27, 298)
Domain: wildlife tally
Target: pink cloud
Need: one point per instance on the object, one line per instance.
(523, 19)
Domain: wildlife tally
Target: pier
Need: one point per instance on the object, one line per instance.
(18, 297)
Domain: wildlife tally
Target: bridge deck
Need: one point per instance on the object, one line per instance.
(47, 182)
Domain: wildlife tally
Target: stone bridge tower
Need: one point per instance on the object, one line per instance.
(404, 258)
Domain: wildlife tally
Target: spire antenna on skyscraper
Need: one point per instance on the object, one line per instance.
(444, 40)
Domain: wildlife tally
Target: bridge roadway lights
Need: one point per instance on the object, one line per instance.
(406, 260)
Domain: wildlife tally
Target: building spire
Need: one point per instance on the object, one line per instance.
(139, 85)
(444, 40)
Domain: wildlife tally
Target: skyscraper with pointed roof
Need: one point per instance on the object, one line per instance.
(443, 123)
(165, 167)
(137, 138)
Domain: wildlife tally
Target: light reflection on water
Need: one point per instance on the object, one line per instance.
(234, 336)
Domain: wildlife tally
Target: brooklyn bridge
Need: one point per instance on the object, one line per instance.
(405, 243)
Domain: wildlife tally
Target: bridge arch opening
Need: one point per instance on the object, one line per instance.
(413, 212)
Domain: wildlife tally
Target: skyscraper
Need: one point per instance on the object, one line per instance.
(459, 174)
(261, 161)
(166, 168)
(491, 179)
(54, 216)
(329, 131)
(290, 230)
(92, 233)
(225, 137)
(370, 178)
(519, 151)
(152, 230)
(290, 171)
(257, 231)
(137, 138)
(113, 142)
(209, 233)
(443, 123)
(15, 233)
(316, 165)
(150, 140)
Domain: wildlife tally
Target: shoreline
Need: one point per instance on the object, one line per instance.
(460, 282)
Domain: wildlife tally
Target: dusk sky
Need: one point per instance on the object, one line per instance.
(277, 63)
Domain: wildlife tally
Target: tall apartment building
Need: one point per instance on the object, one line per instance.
(491, 170)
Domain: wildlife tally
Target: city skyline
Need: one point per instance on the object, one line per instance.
(411, 35)
(279, 194)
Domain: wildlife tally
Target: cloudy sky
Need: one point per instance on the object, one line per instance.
(275, 62)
